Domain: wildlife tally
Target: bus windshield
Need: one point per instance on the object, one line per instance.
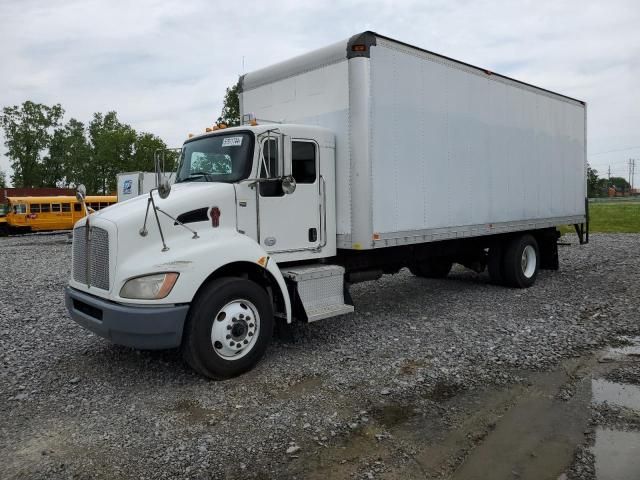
(217, 158)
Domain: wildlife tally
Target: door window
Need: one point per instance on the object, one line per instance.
(269, 169)
(303, 161)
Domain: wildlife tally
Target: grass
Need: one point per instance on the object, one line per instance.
(612, 217)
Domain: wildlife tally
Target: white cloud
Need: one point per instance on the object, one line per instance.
(164, 65)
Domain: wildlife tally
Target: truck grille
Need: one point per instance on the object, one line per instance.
(97, 254)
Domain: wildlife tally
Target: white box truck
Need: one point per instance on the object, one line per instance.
(353, 161)
(132, 184)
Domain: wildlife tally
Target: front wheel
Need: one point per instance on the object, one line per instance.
(228, 329)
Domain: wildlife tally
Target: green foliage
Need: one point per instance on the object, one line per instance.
(230, 108)
(599, 187)
(3, 179)
(620, 183)
(145, 150)
(593, 189)
(29, 131)
(72, 149)
(45, 153)
(112, 149)
(615, 217)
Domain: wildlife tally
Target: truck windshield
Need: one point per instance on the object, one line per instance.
(217, 158)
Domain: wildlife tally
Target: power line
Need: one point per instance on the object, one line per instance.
(616, 150)
(605, 162)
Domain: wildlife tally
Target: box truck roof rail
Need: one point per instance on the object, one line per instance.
(359, 45)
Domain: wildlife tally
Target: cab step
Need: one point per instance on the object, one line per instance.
(320, 288)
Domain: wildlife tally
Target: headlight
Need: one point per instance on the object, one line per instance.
(149, 287)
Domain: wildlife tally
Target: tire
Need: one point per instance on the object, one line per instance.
(435, 267)
(495, 263)
(228, 328)
(521, 262)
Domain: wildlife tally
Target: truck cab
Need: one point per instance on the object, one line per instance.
(207, 265)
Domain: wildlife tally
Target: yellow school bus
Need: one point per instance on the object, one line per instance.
(43, 214)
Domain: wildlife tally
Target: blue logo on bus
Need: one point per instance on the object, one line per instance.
(126, 187)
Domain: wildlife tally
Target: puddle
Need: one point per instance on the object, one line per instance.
(392, 415)
(304, 387)
(617, 454)
(620, 394)
(193, 411)
(525, 431)
(626, 353)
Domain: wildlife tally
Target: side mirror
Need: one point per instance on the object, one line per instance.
(81, 193)
(164, 189)
(288, 185)
(286, 156)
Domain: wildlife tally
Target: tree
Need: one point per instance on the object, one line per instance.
(3, 179)
(112, 147)
(69, 159)
(28, 131)
(620, 183)
(592, 182)
(230, 107)
(145, 148)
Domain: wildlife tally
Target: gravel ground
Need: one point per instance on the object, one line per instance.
(74, 406)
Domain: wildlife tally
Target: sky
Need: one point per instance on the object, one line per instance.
(164, 65)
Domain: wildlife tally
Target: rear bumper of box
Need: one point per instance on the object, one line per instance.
(142, 327)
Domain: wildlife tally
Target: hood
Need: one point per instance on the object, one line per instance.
(184, 197)
(126, 219)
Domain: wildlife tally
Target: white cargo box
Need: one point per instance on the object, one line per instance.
(429, 148)
(132, 184)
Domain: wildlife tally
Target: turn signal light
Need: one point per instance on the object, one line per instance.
(359, 48)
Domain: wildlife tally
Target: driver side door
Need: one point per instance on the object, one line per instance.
(292, 222)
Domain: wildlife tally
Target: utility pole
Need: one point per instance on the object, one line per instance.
(632, 168)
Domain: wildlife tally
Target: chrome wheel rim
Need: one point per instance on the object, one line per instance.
(235, 329)
(528, 261)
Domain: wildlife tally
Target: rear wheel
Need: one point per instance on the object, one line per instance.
(435, 267)
(228, 329)
(521, 261)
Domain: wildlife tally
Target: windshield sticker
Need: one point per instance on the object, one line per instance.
(232, 141)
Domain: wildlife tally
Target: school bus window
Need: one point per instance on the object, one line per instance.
(20, 208)
(45, 207)
(55, 207)
(66, 207)
(77, 207)
(103, 205)
(35, 208)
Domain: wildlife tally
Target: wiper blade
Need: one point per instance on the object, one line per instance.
(196, 175)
